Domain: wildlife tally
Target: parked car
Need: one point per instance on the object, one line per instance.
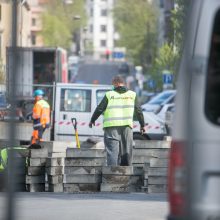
(164, 109)
(158, 101)
(194, 167)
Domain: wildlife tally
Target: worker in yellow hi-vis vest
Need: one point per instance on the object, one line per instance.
(118, 107)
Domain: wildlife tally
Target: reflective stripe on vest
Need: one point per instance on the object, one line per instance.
(120, 109)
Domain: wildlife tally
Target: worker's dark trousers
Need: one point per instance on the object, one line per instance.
(118, 142)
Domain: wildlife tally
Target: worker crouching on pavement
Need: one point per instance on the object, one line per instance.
(41, 117)
(118, 106)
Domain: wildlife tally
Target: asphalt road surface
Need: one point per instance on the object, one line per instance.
(96, 206)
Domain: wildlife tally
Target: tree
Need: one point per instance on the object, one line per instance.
(166, 60)
(2, 73)
(178, 18)
(136, 22)
(59, 24)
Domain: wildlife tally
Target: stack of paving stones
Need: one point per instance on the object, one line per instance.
(121, 179)
(55, 171)
(20, 172)
(35, 174)
(153, 157)
(55, 163)
(83, 169)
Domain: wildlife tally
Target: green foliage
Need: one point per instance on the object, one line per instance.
(136, 22)
(179, 15)
(59, 24)
(166, 60)
(2, 72)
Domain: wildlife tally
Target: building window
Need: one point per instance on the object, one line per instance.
(33, 39)
(103, 43)
(33, 21)
(91, 12)
(104, 12)
(91, 28)
(103, 28)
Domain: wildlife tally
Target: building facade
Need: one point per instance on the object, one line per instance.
(100, 33)
(23, 27)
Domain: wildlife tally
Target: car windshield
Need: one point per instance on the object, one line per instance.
(160, 98)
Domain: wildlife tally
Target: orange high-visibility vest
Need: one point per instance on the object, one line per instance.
(41, 111)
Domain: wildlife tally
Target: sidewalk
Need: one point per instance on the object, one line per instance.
(97, 206)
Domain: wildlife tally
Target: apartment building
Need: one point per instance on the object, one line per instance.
(100, 34)
(23, 26)
(36, 24)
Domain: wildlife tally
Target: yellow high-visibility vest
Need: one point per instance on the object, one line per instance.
(120, 109)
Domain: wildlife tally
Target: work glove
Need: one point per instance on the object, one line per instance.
(142, 130)
(91, 124)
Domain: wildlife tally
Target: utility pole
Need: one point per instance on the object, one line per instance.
(10, 214)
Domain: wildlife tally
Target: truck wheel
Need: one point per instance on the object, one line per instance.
(137, 136)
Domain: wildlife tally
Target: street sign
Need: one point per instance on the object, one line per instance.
(151, 84)
(118, 55)
(167, 77)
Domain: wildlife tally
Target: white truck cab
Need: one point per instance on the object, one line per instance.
(79, 101)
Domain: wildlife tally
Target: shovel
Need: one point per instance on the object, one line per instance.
(74, 122)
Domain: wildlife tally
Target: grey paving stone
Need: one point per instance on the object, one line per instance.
(55, 187)
(158, 180)
(120, 179)
(157, 171)
(36, 187)
(57, 154)
(55, 162)
(85, 162)
(118, 170)
(37, 162)
(151, 144)
(87, 178)
(35, 179)
(158, 162)
(57, 179)
(157, 188)
(121, 188)
(82, 170)
(38, 153)
(55, 170)
(81, 187)
(149, 153)
(36, 171)
(85, 153)
(141, 159)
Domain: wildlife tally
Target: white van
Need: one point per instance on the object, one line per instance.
(79, 101)
(194, 169)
